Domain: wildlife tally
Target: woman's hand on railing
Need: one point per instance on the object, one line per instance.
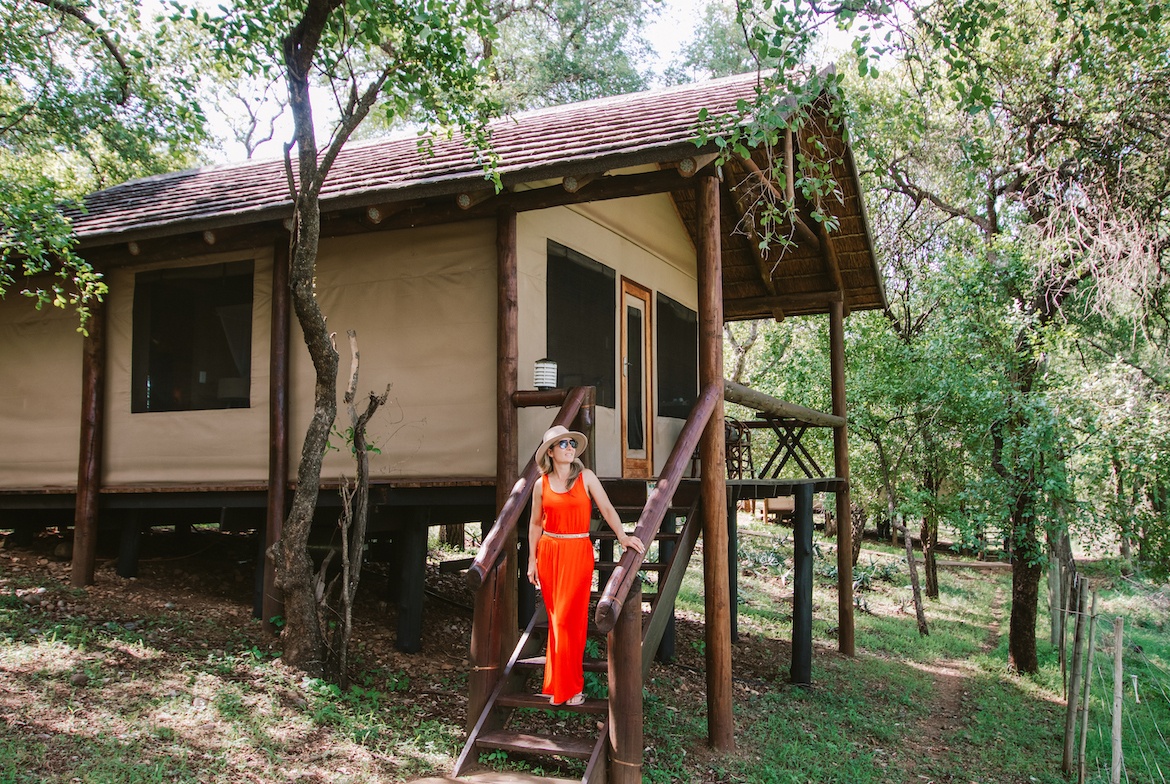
(632, 543)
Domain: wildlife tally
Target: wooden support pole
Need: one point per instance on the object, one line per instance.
(1118, 692)
(130, 546)
(665, 652)
(272, 602)
(507, 418)
(733, 563)
(1081, 756)
(845, 638)
(802, 583)
(1074, 690)
(624, 651)
(712, 452)
(89, 455)
(411, 542)
(494, 628)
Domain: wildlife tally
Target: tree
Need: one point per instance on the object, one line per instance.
(90, 95)
(1046, 102)
(417, 57)
(551, 52)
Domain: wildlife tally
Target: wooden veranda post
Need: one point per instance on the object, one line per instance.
(507, 419)
(716, 591)
(841, 469)
(278, 381)
(89, 454)
(494, 631)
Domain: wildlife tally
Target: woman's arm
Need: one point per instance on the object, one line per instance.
(608, 513)
(535, 530)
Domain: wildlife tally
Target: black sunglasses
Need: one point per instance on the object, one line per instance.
(565, 443)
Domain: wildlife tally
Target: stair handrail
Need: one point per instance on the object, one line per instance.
(493, 544)
(657, 502)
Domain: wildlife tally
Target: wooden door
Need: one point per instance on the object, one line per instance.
(637, 413)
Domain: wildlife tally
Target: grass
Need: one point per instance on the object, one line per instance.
(168, 695)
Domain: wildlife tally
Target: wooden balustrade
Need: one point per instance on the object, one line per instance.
(493, 544)
(658, 501)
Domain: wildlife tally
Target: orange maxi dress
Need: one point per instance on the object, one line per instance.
(565, 570)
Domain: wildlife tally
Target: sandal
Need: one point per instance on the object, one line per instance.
(574, 701)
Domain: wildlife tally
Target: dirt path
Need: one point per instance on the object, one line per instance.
(926, 741)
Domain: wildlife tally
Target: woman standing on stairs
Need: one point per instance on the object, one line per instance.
(560, 563)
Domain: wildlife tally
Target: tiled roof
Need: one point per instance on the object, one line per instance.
(609, 132)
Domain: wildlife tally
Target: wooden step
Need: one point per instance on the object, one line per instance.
(525, 700)
(559, 745)
(537, 662)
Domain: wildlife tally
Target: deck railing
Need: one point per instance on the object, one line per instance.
(609, 607)
(493, 544)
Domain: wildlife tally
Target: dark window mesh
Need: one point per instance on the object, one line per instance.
(582, 308)
(678, 358)
(192, 338)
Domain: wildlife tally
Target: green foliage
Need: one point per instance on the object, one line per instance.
(90, 95)
(419, 61)
(560, 51)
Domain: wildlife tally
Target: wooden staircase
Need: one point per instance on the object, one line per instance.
(528, 736)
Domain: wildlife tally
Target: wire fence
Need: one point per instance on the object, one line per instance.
(1126, 691)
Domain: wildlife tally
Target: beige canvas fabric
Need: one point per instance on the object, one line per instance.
(40, 395)
(224, 446)
(423, 303)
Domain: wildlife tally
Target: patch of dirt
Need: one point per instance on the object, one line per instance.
(926, 743)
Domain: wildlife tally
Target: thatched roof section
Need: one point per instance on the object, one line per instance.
(587, 139)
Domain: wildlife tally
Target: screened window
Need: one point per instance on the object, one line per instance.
(678, 358)
(192, 345)
(582, 313)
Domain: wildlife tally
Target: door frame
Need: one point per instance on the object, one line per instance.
(639, 467)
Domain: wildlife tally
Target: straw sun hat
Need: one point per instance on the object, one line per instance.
(556, 433)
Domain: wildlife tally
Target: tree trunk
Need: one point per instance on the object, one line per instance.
(857, 520)
(301, 640)
(931, 482)
(1027, 567)
(916, 589)
(929, 536)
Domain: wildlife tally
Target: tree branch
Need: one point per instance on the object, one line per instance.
(103, 36)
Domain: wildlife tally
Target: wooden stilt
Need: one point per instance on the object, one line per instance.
(89, 456)
(720, 727)
(495, 628)
(802, 567)
(845, 640)
(272, 604)
(413, 547)
(624, 648)
(733, 564)
(130, 547)
(665, 652)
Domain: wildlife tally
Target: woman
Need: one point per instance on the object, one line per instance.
(560, 560)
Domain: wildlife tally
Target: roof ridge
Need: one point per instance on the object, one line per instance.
(407, 134)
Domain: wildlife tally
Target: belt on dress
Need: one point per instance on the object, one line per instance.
(583, 535)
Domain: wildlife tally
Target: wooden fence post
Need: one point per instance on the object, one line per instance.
(1081, 768)
(1118, 691)
(625, 690)
(1070, 719)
